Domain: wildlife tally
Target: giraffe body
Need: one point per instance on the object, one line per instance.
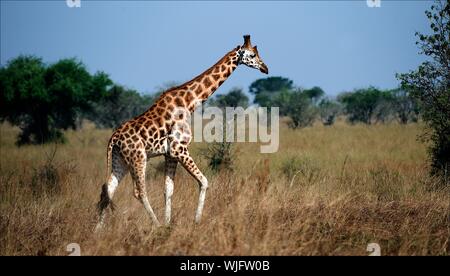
(164, 129)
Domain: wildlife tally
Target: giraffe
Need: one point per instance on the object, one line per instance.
(162, 131)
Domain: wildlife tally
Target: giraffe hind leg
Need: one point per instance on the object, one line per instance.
(119, 170)
(137, 169)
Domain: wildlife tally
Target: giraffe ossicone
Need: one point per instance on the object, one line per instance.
(163, 130)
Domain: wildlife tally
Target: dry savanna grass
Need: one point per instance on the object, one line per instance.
(327, 191)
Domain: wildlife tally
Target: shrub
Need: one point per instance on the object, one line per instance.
(220, 156)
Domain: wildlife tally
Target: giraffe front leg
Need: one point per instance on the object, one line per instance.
(201, 199)
(171, 166)
(181, 153)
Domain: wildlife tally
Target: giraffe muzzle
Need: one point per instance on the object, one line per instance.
(263, 68)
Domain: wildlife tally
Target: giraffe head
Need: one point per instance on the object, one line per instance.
(249, 56)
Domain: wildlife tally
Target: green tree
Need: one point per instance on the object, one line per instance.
(385, 107)
(301, 110)
(43, 100)
(234, 98)
(430, 85)
(22, 84)
(266, 89)
(315, 94)
(283, 100)
(271, 84)
(405, 106)
(362, 105)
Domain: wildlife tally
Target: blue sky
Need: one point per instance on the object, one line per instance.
(337, 45)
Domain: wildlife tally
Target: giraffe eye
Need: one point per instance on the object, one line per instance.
(253, 55)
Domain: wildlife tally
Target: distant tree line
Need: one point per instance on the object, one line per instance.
(305, 106)
(45, 99)
(371, 105)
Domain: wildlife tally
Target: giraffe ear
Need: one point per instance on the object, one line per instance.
(247, 42)
(255, 49)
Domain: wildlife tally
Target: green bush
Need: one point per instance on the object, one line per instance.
(220, 156)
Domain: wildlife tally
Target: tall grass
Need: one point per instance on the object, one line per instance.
(327, 191)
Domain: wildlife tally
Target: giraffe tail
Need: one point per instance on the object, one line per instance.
(109, 158)
(105, 201)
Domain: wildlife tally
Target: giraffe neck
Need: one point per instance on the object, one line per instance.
(194, 92)
(208, 82)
